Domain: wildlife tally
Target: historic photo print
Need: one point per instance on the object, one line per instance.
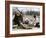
(26, 18)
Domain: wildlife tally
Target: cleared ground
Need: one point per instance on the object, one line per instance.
(25, 26)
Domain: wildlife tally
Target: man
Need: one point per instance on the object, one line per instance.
(18, 18)
(36, 21)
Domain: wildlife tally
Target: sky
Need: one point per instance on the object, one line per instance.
(29, 9)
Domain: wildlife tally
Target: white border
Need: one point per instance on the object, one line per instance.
(25, 31)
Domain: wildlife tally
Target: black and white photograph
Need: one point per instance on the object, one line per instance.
(25, 18)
